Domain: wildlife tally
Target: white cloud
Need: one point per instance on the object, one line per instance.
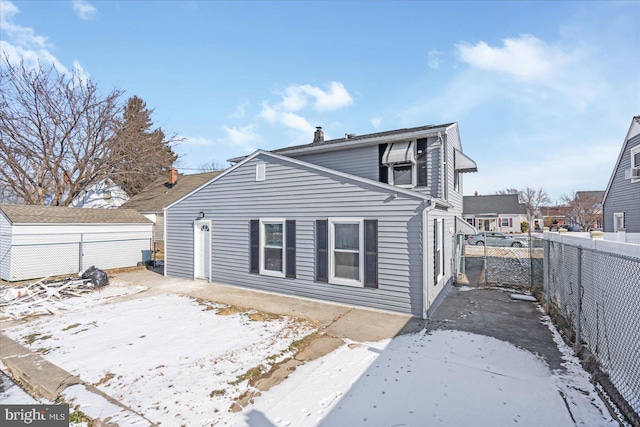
(243, 138)
(286, 118)
(376, 122)
(435, 59)
(297, 97)
(22, 36)
(194, 141)
(526, 58)
(240, 110)
(21, 43)
(84, 9)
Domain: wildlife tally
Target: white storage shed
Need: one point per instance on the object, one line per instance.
(40, 241)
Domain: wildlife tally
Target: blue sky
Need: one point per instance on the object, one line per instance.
(543, 92)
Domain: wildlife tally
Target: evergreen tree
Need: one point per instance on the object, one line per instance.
(140, 154)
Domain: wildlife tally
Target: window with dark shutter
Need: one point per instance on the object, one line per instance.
(421, 161)
(383, 169)
(254, 243)
(371, 253)
(322, 250)
(291, 248)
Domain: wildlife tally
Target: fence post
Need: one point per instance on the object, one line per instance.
(81, 253)
(547, 263)
(579, 301)
(486, 273)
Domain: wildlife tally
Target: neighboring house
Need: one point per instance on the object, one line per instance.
(496, 212)
(371, 220)
(151, 201)
(38, 241)
(102, 194)
(555, 216)
(621, 207)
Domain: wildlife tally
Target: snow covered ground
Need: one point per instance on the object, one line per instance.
(180, 361)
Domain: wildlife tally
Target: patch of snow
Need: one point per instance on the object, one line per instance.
(445, 378)
(167, 357)
(96, 406)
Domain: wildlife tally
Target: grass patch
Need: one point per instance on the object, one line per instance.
(227, 311)
(104, 379)
(251, 375)
(31, 338)
(300, 344)
(77, 416)
(216, 393)
(75, 325)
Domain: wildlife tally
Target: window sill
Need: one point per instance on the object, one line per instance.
(346, 282)
(271, 273)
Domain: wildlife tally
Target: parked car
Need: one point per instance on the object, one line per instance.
(494, 238)
(572, 227)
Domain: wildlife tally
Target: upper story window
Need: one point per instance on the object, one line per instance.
(635, 164)
(404, 163)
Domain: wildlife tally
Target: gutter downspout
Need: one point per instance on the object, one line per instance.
(425, 258)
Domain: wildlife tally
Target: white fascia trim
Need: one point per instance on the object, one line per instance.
(215, 178)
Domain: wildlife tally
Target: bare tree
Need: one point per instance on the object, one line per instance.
(508, 191)
(55, 130)
(212, 166)
(533, 199)
(585, 209)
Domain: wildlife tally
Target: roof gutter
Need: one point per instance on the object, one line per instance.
(328, 146)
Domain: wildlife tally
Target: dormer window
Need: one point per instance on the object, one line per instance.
(400, 158)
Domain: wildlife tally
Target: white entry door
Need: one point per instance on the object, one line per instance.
(202, 249)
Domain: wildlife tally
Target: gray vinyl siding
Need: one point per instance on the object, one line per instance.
(361, 161)
(303, 194)
(453, 197)
(623, 195)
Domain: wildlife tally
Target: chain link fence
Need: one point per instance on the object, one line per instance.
(31, 256)
(508, 265)
(595, 297)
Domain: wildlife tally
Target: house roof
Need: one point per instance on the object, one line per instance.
(161, 194)
(555, 211)
(393, 190)
(492, 204)
(350, 140)
(598, 195)
(37, 214)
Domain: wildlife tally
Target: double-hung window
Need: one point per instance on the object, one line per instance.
(400, 158)
(346, 243)
(618, 221)
(272, 238)
(635, 164)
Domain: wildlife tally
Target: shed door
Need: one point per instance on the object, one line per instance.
(202, 249)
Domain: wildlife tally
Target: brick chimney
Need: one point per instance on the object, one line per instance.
(173, 176)
(318, 136)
